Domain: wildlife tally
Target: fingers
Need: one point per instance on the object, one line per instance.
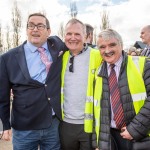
(7, 135)
(125, 134)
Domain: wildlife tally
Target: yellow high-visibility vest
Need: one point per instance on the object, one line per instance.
(135, 69)
(94, 62)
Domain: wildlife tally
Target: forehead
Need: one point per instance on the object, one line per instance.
(74, 26)
(145, 30)
(107, 41)
(37, 19)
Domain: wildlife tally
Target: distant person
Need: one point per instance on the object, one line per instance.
(32, 71)
(89, 35)
(121, 98)
(79, 66)
(145, 36)
(133, 51)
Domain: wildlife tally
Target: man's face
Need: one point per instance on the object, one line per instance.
(36, 36)
(110, 49)
(91, 38)
(74, 37)
(145, 35)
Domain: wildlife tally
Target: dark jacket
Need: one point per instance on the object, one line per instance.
(137, 125)
(33, 101)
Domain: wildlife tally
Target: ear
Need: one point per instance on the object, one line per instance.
(49, 32)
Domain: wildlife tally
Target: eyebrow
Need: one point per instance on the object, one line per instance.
(110, 44)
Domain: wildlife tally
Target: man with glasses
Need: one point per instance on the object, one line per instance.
(79, 65)
(32, 71)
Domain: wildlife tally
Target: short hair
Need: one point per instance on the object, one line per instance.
(89, 29)
(110, 33)
(132, 49)
(42, 15)
(75, 21)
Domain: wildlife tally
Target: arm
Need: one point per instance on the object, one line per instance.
(4, 95)
(140, 125)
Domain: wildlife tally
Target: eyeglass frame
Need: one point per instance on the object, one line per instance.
(71, 61)
(32, 26)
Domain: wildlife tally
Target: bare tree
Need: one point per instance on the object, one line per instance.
(105, 20)
(73, 9)
(1, 46)
(8, 40)
(61, 31)
(16, 24)
(95, 36)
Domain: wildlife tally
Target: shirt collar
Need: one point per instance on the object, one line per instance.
(83, 50)
(118, 63)
(147, 47)
(34, 48)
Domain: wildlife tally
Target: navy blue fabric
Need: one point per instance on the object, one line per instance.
(33, 101)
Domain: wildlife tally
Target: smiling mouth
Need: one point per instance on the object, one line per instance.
(109, 54)
(36, 35)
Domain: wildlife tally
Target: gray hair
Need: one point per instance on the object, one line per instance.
(110, 33)
(75, 21)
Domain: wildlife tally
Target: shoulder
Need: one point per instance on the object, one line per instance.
(54, 40)
(13, 51)
(56, 43)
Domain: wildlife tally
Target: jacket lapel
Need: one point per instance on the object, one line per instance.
(20, 57)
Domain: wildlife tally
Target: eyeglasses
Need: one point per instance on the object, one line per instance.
(39, 26)
(71, 64)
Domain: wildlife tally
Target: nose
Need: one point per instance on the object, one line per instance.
(72, 36)
(107, 50)
(35, 28)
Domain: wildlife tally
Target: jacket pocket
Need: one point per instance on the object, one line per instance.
(143, 144)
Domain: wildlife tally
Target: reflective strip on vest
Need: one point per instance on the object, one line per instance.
(89, 99)
(139, 96)
(88, 116)
(62, 90)
(96, 102)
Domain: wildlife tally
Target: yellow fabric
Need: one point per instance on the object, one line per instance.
(134, 73)
(97, 98)
(135, 76)
(64, 65)
(94, 62)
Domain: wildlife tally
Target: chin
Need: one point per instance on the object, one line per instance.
(109, 60)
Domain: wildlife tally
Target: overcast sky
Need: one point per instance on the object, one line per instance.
(125, 16)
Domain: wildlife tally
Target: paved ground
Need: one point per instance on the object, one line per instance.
(5, 145)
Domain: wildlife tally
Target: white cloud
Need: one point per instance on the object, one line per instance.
(126, 17)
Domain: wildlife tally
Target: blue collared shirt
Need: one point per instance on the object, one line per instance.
(36, 68)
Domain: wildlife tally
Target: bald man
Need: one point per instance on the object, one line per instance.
(145, 36)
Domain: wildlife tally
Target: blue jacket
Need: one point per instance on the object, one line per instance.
(33, 101)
